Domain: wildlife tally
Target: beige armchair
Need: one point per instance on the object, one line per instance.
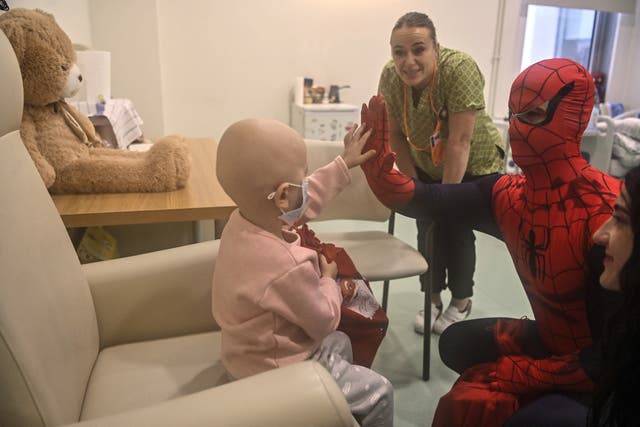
(128, 342)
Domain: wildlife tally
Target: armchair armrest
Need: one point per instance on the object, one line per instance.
(300, 394)
(156, 295)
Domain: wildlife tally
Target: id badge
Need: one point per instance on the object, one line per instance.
(435, 139)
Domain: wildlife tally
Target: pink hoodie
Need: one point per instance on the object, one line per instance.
(268, 297)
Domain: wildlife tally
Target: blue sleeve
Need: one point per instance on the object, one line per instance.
(467, 203)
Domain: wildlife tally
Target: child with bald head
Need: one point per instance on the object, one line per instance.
(275, 301)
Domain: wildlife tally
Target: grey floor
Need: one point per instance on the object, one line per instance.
(497, 292)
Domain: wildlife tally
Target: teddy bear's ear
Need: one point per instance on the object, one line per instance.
(16, 37)
(49, 15)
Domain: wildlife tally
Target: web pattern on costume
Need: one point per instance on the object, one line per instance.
(548, 244)
(549, 214)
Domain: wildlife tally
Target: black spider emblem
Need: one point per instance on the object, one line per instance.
(535, 252)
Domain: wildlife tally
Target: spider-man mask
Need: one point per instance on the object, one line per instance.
(550, 105)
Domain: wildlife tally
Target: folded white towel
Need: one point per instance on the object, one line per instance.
(122, 115)
(125, 121)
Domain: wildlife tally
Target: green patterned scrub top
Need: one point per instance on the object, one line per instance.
(458, 87)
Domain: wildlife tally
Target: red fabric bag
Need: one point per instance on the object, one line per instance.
(361, 318)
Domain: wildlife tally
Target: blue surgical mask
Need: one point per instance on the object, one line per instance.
(290, 217)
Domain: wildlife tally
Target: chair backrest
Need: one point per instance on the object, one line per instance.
(357, 201)
(48, 328)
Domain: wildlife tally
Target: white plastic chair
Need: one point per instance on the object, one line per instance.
(378, 255)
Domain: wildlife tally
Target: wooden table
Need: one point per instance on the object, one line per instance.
(202, 198)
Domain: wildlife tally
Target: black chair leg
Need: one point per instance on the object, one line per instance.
(426, 343)
(385, 288)
(426, 347)
(385, 295)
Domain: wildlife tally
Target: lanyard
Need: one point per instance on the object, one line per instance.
(435, 141)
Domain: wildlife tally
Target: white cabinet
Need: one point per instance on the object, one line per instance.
(327, 122)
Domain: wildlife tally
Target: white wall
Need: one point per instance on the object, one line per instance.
(129, 30)
(194, 67)
(633, 75)
(224, 61)
(625, 71)
(510, 56)
(71, 15)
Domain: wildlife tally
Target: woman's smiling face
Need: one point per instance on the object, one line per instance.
(616, 235)
(414, 54)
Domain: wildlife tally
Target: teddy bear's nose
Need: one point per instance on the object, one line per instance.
(80, 77)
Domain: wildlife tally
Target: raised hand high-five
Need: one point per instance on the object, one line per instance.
(393, 188)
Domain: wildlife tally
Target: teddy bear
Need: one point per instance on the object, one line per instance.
(62, 142)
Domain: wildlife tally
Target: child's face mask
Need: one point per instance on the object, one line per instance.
(290, 217)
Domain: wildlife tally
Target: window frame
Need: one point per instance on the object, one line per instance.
(509, 49)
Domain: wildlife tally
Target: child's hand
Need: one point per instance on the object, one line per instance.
(328, 269)
(354, 140)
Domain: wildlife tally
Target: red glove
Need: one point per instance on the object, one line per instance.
(472, 402)
(480, 373)
(522, 375)
(393, 188)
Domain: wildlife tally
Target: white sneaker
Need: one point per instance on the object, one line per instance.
(418, 323)
(450, 316)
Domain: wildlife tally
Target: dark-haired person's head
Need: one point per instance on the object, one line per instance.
(414, 49)
(620, 235)
(614, 401)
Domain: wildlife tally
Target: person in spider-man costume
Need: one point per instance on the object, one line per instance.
(546, 216)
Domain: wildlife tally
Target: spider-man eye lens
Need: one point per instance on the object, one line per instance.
(543, 113)
(535, 116)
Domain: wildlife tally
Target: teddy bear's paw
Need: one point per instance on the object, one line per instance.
(168, 163)
(47, 173)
